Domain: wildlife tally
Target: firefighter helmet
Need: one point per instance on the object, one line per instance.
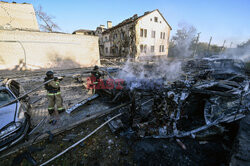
(49, 74)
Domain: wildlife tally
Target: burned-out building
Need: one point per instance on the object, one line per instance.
(136, 36)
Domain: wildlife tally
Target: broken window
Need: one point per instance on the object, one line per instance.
(141, 32)
(145, 32)
(145, 48)
(15, 88)
(106, 38)
(141, 48)
(152, 48)
(116, 50)
(156, 19)
(122, 35)
(161, 48)
(5, 97)
(153, 34)
(107, 50)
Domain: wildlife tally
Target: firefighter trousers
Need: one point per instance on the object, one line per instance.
(55, 99)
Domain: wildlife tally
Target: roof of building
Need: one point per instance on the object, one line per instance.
(133, 19)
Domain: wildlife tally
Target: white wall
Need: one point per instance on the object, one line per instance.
(47, 50)
(17, 16)
(160, 26)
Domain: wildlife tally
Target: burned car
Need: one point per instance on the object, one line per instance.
(14, 116)
(209, 94)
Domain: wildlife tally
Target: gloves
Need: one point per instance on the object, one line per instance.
(58, 78)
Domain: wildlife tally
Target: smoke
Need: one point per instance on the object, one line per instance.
(182, 41)
(150, 74)
(242, 52)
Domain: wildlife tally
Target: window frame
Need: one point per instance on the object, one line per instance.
(141, 32)
(145, 48)
(155, 19)
(141, 48)
(153, 33)
(152, 49)
(145, 33)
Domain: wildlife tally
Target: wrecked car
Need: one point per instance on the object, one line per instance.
(210, 93)
(14, 116)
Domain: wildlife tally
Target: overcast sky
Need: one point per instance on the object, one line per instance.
(222, 19)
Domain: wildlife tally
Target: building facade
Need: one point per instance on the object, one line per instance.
(22, 43)
(136, 36)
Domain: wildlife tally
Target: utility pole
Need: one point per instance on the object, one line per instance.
(209, 45)
(196, 44)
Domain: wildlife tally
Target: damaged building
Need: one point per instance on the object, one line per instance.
(136, 36)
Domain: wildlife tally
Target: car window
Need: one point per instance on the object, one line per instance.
(5, 97)
(15, 87)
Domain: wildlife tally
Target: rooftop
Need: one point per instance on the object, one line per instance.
(133, 19)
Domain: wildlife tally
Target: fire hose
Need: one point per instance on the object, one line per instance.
(75, 144)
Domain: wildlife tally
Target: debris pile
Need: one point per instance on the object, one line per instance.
(208, 94)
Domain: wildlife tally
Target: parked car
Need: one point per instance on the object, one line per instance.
(14, 118)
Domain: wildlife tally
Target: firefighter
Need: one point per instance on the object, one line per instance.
(54, 93)
(95, 78)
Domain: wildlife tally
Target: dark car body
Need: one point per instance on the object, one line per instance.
(14, 118)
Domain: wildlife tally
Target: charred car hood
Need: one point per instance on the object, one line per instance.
(7, 114)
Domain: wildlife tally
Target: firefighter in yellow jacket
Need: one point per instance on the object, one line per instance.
(54, 93)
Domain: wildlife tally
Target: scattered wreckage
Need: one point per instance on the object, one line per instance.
(15, 119)
(209, 94)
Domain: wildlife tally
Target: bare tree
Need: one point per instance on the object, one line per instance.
(46, 22)
(182, 42)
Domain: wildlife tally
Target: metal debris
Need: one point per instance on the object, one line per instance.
(81, 103)
(210, 92)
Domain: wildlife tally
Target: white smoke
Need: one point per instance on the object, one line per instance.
(242, 53)
(151, 71)
(182, 41)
